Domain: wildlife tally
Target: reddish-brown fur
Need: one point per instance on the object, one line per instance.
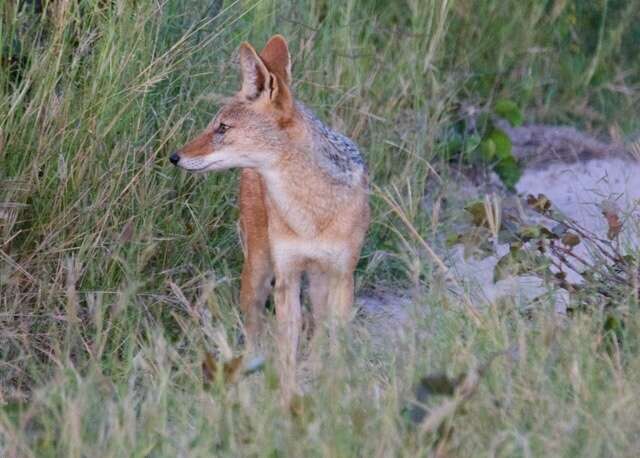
(199, 146)
(257, 271)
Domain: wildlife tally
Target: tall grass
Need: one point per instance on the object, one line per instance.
(118, 272)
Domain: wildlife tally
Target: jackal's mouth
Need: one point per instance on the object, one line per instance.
(203, 168)
(221, 160)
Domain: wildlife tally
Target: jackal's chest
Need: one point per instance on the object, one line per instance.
(300, 251)
(299, 207)
(309, 220)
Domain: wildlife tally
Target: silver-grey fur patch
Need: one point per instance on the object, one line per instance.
(337, 155)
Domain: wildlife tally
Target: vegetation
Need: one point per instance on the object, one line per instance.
(119, 273)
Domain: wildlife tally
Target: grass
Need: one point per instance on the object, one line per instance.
(118, 271)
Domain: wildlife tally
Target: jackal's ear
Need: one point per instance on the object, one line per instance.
(258, 80)
(276, 57)
(255, 75)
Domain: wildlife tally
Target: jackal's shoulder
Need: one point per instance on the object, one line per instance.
(336, 154)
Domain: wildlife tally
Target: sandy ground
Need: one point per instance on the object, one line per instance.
(578, 189)
(575, 181)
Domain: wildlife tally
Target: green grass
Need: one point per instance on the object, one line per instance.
(117, 271)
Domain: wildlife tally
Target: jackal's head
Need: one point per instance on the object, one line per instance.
(255, 126)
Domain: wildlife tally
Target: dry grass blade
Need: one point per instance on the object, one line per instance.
(634, 148)
(397, 208)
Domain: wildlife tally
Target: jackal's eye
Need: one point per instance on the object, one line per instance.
(222, 128)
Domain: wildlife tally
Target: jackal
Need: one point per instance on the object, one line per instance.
(303, 199)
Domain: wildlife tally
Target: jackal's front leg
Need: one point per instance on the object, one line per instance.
(255, 286)
(288, 316)
(257, 271)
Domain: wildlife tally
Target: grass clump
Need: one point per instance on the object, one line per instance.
(118, 273)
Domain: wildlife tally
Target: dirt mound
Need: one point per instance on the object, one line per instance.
(577, 173)
(541, 145)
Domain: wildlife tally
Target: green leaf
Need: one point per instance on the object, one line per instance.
(478, 213)
(511, 264)
(452, 148)
(614, 333)
(507, 109)
(488, 149)
(430, 386)
(472, 143)
(541, 204)
(509, 172)
(613, 324)
(527, 233)
(545, 233)
(453, 239)
(509, 231)
(476, 243)
(502, 143)
(436, 384)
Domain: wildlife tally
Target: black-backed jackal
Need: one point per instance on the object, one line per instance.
(303, 199)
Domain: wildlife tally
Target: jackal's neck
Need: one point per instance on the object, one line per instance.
(305, 197)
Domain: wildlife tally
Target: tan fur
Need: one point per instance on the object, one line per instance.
(295, 216)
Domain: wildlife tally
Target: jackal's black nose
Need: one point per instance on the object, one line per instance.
(174, 158)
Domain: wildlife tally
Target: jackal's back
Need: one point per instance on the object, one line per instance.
(334, 153)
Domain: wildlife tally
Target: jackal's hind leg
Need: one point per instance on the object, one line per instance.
(339, 305)
(341, 296)
(318, 294)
